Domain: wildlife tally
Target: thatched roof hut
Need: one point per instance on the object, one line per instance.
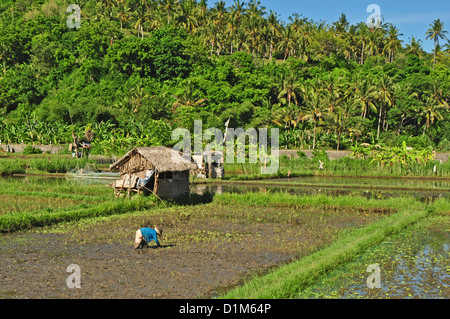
(158, 169)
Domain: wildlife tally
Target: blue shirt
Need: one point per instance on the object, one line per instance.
(149, 234)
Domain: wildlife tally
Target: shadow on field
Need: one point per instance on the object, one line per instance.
(194, 199)
(146, 249)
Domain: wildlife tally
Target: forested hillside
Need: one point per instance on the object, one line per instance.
(136, 69)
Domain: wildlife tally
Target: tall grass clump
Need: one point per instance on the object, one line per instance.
(57, 165)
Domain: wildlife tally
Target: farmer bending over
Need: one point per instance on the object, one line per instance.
(145, 235)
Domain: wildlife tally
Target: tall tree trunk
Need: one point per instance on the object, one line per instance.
(314, 140)
(338, 140)
(434, 54)
(379, 122)
(362, 54)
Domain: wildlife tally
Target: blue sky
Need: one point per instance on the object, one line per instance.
(413, 18)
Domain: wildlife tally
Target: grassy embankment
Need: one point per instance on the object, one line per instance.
(290, 280)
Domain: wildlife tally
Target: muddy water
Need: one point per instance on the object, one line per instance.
(325, 189)
(423, 189)
(205, 249)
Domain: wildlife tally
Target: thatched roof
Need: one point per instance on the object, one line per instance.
(162, 158)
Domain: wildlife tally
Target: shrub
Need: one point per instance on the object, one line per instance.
(31, 150)
(320, 155)
(301, 154)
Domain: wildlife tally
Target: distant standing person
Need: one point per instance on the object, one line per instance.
(145, 235)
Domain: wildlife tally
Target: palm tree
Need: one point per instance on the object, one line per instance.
(187, 99)
(447, 46)
(239, 9)
(122, 11)
(274, 30)
(253, 22)
(202, 12)
(414, 47)
(287, 41)
(290, 86)
(431, 111)
(341, 25)
(141, 14)
(362, 39)
(313, 111)
(108, 5)
(385, 95)
(435, 33)
(137, 97)
(288, 118)
(232, 29)
(393, 43)
(365, 95)
(218, 13)
(438, 55)
(170, 6)
(210, 32)
(187, 17)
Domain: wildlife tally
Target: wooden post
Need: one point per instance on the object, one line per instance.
(209, 166)
(155, 187)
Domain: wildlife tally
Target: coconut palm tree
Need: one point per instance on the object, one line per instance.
(365, 95)
(273, 26)
(447, 47)
(141, 14)
(341, 26)
(288, 118)
(188, 99)
(186, 17)
(393, 43)
(123, 11)
(436, 32)
(289, 89)
(431, 112)
(385, 95)
(287, 41)
(414, 47)
(362, 40)
(314, 106)
(170, 7)
(438, 55)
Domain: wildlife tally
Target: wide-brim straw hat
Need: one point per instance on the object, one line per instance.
(159, 232)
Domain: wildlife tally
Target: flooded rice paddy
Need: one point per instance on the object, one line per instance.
(210, 247)
(414, 264)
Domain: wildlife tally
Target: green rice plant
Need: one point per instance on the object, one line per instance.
(57, 165)
(22, 220)
(10, 167)
(52, 185)
(285, 199)
(47, 194)
(400, 165)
